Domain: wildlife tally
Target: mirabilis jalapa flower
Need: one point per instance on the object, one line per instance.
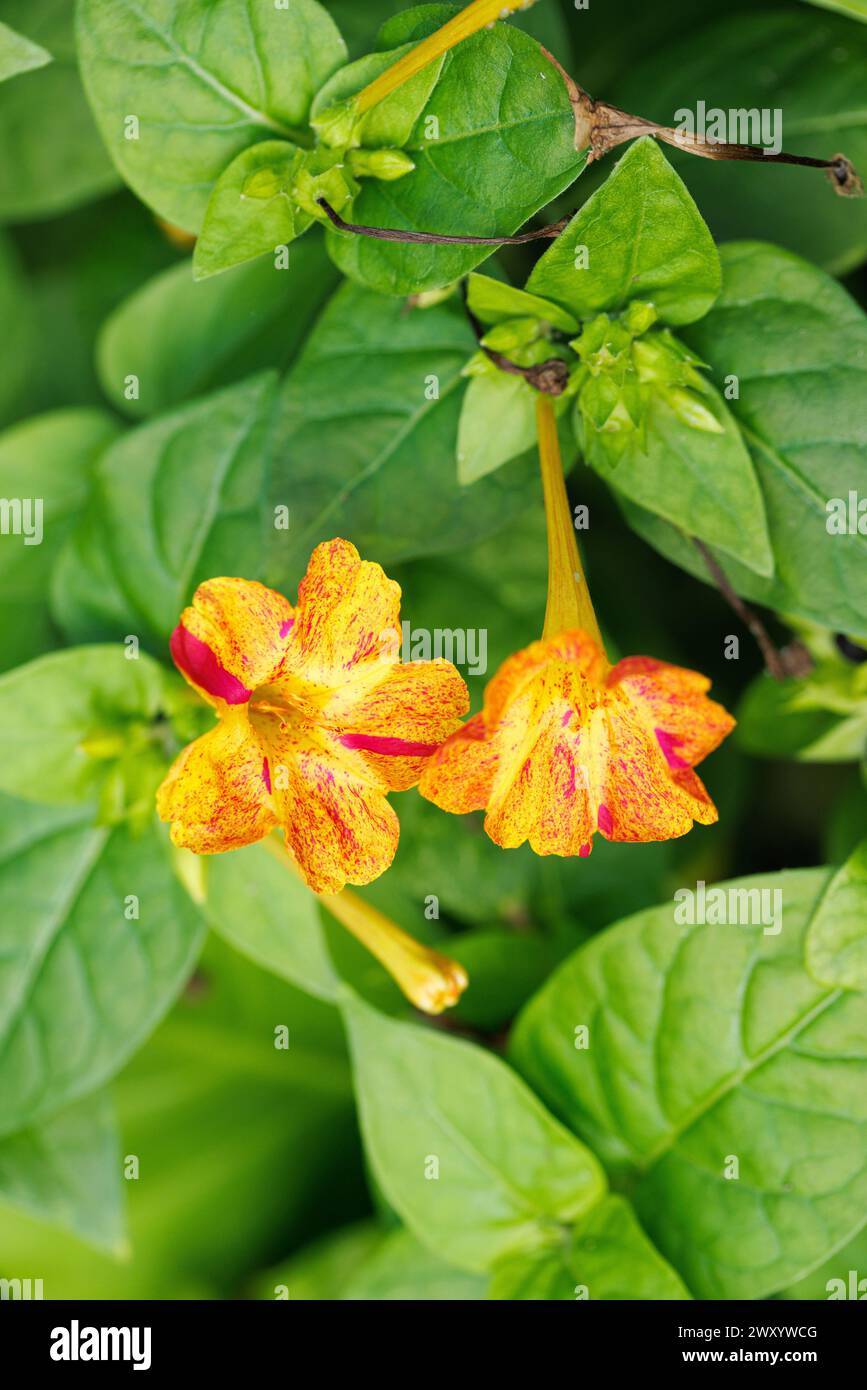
(317, 719)
(567, 744)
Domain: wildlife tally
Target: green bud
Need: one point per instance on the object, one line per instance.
(513, 335)
(334, 184)
(387, 165)
(335, 126)
(639, 317)
(693, 413)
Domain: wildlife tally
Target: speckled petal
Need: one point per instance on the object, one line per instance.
(331, 805)
(347, 621)
(231, 639)
(459, 776)
(216, 792)
(400, 722)
(687, 725)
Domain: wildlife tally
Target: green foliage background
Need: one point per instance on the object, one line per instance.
(154, 1142)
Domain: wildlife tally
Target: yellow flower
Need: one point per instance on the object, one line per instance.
(567, 745)
(317, 719)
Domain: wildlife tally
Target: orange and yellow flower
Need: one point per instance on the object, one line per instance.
(317, 719)
(567, 745)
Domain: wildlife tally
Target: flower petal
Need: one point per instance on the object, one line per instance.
(216, 792)
(232, 638)
(459, 776)
(331, 805)
(687, 725)
(400, 722)
(347, 620)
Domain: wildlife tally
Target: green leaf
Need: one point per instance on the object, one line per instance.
(84, 981)
(65, 719)
(51, 156)
(181, 339)
(804, 72)
(401, 1269)
(503, 148)
(365, 442)
(506, 1170)
(498, 422)
(493, 301)
(193, 480)
(820, 718)
(18, 54)
(251, 211)
(204, 80)
(391, 121)
(321, 1270)
(48, 460)
(606, 1256)
(841, 1276)
(856, 8)
(710, 1043)
(645, 239)
(267, 913)
(797, 345)
(704, 483)
(836, 949)
(65, 1170)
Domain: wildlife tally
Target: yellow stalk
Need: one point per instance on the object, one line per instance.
(569, 604)
(430, 981)
(476, 16)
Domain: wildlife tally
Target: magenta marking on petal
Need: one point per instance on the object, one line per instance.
(286, 628)
(584, 851)
(396, 747)
(566, 717)
(195, 658)
(666, 742)
(266, 775)
(605, 820)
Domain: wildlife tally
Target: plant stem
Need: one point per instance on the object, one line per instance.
(477, 15)
(569, 604)
(773, 658)
(440, 238)
(430, 980)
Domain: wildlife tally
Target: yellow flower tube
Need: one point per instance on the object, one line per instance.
(477, 15)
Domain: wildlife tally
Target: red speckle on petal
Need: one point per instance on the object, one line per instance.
(605, 820)
(584, 851)
(667, 743)
(286, 628)
(195, 659)
(266, 775)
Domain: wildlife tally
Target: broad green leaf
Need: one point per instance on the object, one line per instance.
(16, 315)
(840, 1277)
(102, 938)
(277, 1126)
(504, 1168)
(359, 23)
(66, 718)
(498, 422)
(51, 156)
(796, 345)
(836, 950)
(804, 72)
(401, 1269)
(717, 1076)
(500, 146)
(251, 211)
(702, 482)
(204, 79)
(365, 442)
(18, 54)
(66, 1170)
(180, 339)
(606, 1256)
(321, 1270)
(266, 912)
(820, 718)
(192, 482)
(49, 462)
(642, 237)
(493, 301)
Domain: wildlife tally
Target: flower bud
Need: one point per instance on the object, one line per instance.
(387, 165)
